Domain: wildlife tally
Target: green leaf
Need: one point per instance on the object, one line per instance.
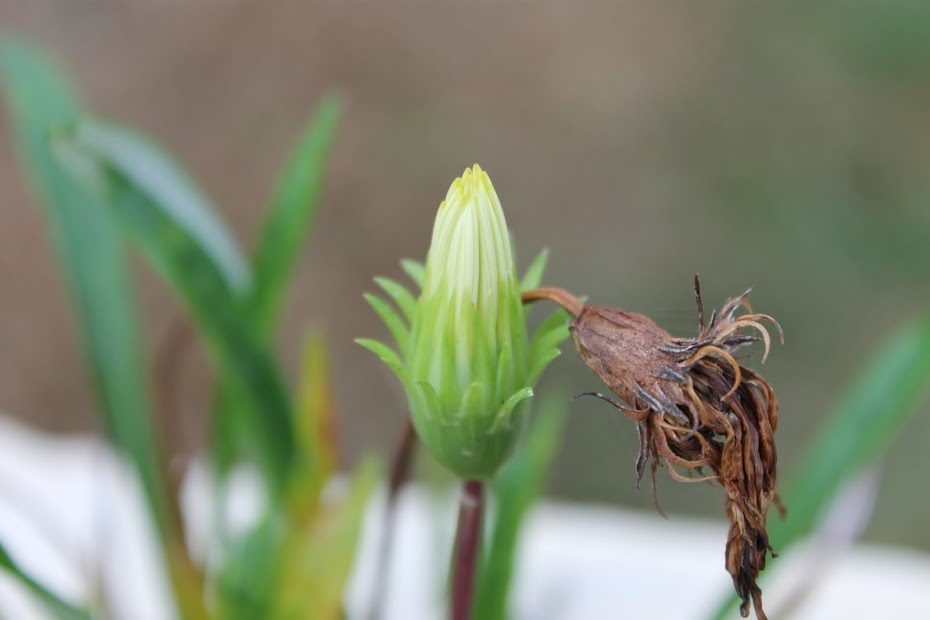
(318, 450)
(289, 221)
(291, 214)
(150, 171)
(516, 489)
(250, 570)
(40, 101)
(55, 605)
(244, 362)
(320, 556)
(862, 427)
(533, 276)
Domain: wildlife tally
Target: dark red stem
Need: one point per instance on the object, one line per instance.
(467, 547)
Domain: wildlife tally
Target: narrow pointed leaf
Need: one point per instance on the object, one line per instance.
(318, 449)
(152, 173)
(57, 607)
(244, 363)
(320, 557)
(292, 213)
(250, 570)
(41, 103)
(516, 488)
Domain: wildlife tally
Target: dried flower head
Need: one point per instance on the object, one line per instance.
(695, 407)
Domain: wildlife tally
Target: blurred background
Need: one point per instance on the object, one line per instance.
(784, 146)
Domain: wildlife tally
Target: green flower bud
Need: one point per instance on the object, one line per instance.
(465, 359)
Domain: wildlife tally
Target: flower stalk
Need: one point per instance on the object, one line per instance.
(467, 548)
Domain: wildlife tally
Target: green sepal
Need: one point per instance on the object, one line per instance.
(401, 296)
(540, 362)
(393, 321)
(504, 418)
(415, 270)
(533, 276)
(384, 352)
(474, 402)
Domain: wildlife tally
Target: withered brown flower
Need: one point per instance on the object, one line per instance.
(695, 407)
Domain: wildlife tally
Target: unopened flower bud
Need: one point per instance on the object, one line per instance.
(465, 358)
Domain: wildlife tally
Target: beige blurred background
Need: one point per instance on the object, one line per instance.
(784, 146)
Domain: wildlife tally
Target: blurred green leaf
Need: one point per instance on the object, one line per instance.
(244, 362)
(148, 168)
(291, 213)
(516, 489)
(56, 606)
(321, 556)
(91, 258)
(874, 411)
(318, 448)
(250, 570)
(290, 218)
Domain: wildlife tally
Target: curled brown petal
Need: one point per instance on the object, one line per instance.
(714, 350)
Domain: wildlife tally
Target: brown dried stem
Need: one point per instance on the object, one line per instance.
(562, 297)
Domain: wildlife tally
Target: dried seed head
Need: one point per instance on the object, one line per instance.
(696, 408)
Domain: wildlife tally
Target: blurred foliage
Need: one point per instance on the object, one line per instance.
(100, 183)
(57, 608)
(90, 254)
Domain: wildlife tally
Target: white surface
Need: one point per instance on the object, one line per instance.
(69, 515)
